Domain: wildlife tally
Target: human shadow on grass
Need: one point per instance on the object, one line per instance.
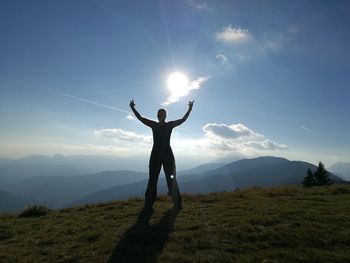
(143, 242)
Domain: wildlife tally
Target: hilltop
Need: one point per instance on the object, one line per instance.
(285, 224)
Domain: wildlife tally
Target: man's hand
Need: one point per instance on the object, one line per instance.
(132, 104)
(190, 104)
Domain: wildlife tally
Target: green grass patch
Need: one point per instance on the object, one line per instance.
(282, 224)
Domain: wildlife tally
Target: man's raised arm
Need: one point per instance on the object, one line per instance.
(184, 118)
(138, 115)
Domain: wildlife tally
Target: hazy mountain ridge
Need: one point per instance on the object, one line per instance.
(262, 171)
(43, 179)
(342, 169)
(59, 191)
(12, 170)
(56, 191)
(10, 202)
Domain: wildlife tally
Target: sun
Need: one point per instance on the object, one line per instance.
(178, 84)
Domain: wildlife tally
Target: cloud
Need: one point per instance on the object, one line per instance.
(198, 5)
(224, 62)
(264, 145)
(185, 90)
(243, 58)
(120, 136)
(231, 35)
(226, 131)
(240, 45)
(222, 58)
(217, 140)
(238, 137)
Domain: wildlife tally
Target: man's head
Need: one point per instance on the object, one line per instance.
(161, 115)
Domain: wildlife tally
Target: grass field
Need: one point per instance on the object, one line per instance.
(287, 224)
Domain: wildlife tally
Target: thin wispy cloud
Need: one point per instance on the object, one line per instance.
(85, 100)
(198, 5)
(185, 89)
(306, 129)
(242, 58)
(233, 35)
(222, 58)
(224, 62)
(276, 41)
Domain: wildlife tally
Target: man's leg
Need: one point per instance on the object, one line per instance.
(170, 174)
(151, 191)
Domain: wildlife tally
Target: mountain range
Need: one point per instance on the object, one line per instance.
(40, 165)
(25, 182)
(10, 202)
(262, 171)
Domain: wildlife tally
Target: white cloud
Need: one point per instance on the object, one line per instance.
(226, 131)
(238, 137)
(233, 35)
(120, 136)
(185, 90)
(197, 83)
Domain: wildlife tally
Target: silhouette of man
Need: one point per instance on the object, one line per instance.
(162, 154)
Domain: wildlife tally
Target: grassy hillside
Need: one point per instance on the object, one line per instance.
(289, 224)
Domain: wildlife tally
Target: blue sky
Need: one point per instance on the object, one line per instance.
(275, 77)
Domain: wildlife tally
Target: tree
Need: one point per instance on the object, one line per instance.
(319, 177)
(309, 180)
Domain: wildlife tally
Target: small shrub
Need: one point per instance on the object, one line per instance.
(34, 211)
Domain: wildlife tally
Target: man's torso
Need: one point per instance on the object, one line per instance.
(161, 141)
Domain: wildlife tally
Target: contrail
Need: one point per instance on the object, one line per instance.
(85, 100)
(306, 129)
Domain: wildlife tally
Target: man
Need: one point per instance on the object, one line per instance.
(162, 155)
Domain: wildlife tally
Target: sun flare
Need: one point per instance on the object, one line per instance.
(178, 84)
